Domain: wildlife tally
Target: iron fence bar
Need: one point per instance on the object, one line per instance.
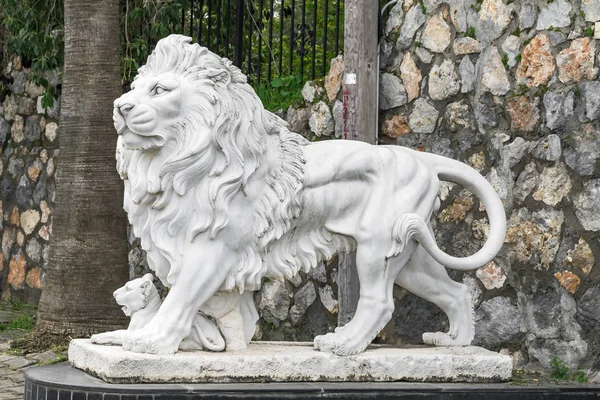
(281, 37)
(182, 19)
(191, 18)
(292, 34)
(209, 24)
(200, 18)
(270, 57)
(337, 27)
(324, 67)
(302, 34)
(259, 29)
(227, 29)
(250, 12)
(314, 40)
(231, 36)
(218, 32)
(239, 35)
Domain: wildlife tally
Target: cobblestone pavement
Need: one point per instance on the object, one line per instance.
(12, 367)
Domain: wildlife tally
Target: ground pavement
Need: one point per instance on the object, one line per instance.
(13, 365)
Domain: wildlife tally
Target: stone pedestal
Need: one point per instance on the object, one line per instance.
(61, 381)
(293, 362)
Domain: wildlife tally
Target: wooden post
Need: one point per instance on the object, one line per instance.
(360, 88)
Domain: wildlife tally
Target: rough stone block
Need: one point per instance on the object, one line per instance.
(293, 362)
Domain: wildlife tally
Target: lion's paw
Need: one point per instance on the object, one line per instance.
(146, 342)
(102, 338)
(339, 344)
(443, 339)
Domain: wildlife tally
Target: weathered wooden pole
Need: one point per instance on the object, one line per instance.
(360, 115)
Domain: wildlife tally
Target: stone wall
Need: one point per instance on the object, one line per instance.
(29, 137)
(512, 90)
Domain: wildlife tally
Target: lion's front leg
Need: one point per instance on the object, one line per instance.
(195, 284)
(113, 337)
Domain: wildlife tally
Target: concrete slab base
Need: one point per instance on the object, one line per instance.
(61, 381)
(293, 362)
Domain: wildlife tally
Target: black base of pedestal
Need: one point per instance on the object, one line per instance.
(63, 382)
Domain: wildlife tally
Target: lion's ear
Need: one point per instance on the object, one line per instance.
(145, 286)
(148, 277)
(219, 76)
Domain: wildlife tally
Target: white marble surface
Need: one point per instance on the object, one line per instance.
(292, 362)
(222, 195)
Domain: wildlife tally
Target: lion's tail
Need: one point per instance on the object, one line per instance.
(411, 226)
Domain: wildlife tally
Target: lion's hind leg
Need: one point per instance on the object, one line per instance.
(376, 303)
(428, 279)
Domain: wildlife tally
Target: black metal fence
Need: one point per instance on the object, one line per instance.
(269, 39)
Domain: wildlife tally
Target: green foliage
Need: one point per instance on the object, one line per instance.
(470, 32)
(505, 60)
(579, 375)
(24, 316)
(518, 58)
(478, 6)
(281, 92)
(541, 91)
(24, 322)
(521, 90)
(422, 5)
(58, 359)
(558, 369)
(34, 32)
(290, 43)
(143, 24)
(589, 32)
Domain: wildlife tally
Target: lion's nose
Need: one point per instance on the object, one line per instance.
(125, 108)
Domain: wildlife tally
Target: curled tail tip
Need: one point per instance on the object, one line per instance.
(408, 226)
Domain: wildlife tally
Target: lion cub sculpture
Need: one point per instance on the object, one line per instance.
(222, 195)
(140, 301)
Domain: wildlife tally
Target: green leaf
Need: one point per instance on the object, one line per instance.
(277, 82)
(47, 100)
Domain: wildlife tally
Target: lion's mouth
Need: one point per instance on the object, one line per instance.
(136, 141)
(119, 121)
(125, 310)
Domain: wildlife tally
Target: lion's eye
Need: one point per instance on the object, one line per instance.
(159, 90)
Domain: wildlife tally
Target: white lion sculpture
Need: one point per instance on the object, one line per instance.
(222, 194)
(140, 301)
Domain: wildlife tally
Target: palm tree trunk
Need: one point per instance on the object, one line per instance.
(88, 252)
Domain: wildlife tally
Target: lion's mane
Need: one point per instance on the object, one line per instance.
(217, 149)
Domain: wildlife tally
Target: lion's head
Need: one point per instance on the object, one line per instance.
(136, 294)
(193, 132)
(191, 118)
